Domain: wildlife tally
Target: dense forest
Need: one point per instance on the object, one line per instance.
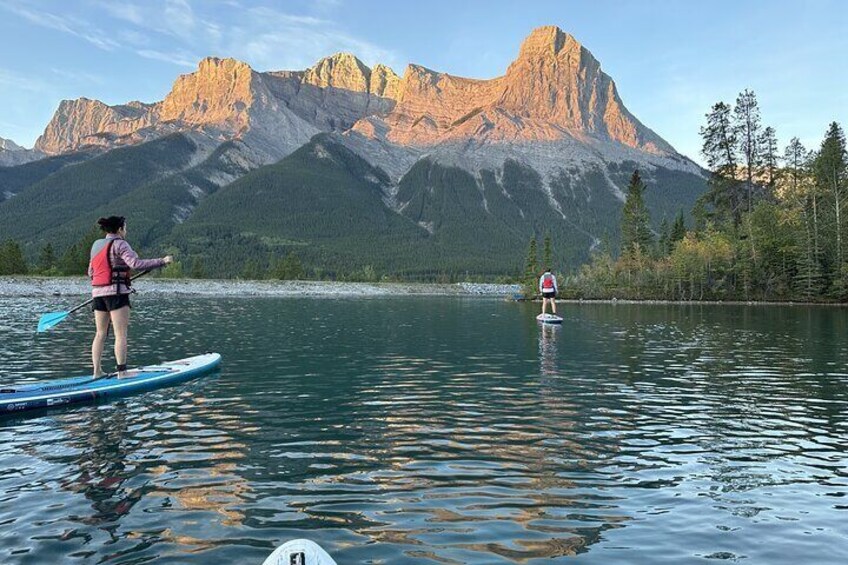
(771, 226)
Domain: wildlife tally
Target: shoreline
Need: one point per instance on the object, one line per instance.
(37, 286)
(26, 286)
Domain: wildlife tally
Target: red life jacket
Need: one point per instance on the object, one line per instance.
(106, 274)
(548, 281)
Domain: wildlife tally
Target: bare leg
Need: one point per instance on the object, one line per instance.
(101, 322)
(553, 305)
(544, 305)
(120, 322)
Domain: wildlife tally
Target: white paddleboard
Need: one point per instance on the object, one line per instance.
(549, 318)
(299, 552)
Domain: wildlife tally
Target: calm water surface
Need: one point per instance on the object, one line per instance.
(438, 430)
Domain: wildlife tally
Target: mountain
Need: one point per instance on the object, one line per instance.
(12, 154)
(272, 113)
(349, 165)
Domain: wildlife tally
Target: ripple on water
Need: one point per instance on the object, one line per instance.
(670, 433)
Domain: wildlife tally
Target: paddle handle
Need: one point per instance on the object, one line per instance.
(90, 300)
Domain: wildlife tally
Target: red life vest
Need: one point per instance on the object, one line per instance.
(548, 281)
(106, 274)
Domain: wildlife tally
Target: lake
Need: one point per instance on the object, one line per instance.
(437, 430)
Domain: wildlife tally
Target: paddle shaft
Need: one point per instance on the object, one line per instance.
(90, 300)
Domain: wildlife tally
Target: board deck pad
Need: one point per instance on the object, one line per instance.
(549, 318)
(31, 396)
(299, 552)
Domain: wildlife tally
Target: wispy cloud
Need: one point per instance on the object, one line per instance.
(16, 81)
(273, 40)
(181, 32)
(64, 23)
(78, 76)
(180, 58)
(265, 37)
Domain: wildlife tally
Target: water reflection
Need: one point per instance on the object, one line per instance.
(442, 431)
(548, 349)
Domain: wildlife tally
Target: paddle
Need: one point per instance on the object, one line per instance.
(52, 319)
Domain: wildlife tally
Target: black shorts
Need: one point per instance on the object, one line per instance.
(548, 295)
(109, 303)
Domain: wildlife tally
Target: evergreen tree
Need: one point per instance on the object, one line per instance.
(47, 259)
(289, 268)
(547, 253)
(12, 260)
(664, 242)
(678, 229)
(197, 270)
(720, 150)
(747, 118)
(795, 158)
(531, 269)
(173, 270)
(635, 219)
(768, 157)
(76, 258)
(830, 170)
(252, 270)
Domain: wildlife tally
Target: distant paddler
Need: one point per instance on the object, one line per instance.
(548, 288)
(112, 258)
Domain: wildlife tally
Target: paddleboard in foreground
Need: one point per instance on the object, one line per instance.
(299, 552)
(549, 318)
(32, 396)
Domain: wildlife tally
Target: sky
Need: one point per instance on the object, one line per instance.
(671, 59)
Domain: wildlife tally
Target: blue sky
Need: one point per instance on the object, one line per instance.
(671, 59)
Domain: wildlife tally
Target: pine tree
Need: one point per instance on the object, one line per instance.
(531, 269)
(547, 253)
(747, 118)
(720, 150)
(47, 259)
(830, 170)
(197, 270)
(12, 260)
(768, 157)
(289, 268)
(635, 219)
(76, 258)
(678, 229)
(664, 242)
(795, 158)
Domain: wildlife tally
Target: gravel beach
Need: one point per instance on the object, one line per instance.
(61, 286)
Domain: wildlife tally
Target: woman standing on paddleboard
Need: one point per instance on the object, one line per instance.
(109, 270)
(548, 288)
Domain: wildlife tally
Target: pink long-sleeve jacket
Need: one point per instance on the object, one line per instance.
(121, 254)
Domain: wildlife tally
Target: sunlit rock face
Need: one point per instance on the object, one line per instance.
(553, 109)
(12, 154)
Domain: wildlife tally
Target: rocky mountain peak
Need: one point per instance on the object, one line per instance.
(342, 70)
(547, 41)
(9, 145)
(219, 91)
(384, 82)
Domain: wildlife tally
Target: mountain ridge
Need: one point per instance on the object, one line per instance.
(456, 171)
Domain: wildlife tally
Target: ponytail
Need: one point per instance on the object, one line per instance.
(111, 224)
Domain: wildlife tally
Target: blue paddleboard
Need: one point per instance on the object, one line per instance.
(32, 396)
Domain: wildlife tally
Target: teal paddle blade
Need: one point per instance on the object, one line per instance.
(50, 320)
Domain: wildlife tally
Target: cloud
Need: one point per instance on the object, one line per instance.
(123, 11)
(180, 58)
(17, 81)
(78, 76)
(64, 23)
(273, 40)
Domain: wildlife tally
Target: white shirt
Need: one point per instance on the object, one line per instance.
(542, 279)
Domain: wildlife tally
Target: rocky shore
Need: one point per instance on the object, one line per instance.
(60, 286)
